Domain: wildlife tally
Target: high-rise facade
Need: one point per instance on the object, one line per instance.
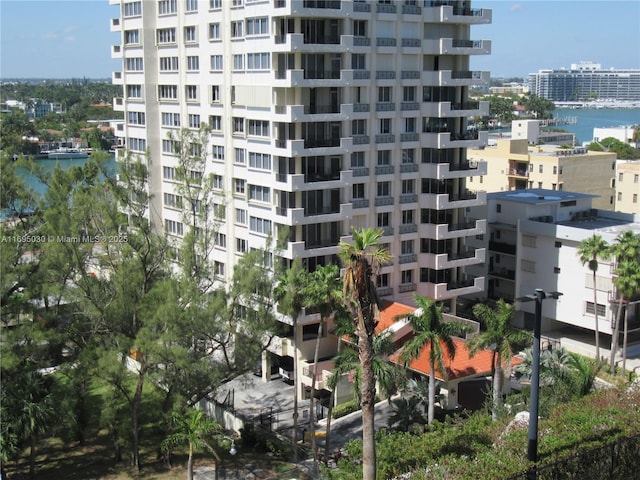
(325, 115)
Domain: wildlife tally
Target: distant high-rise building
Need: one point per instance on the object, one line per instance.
(586, 81)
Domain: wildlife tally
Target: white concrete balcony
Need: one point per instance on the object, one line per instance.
(117, 78)
(449, 109)
(297, 182)
(444, 261)
(455, 78)
(446, 170)
(305, 113)
(281, 346)
(321, 370)
(297, 148)
(116, 51)
(443, 231)
(453, 46)
(469, 139)
(294, 42)
(443, 201)
(451, 14)
(320, 78)
(332, 9)
(444, 291)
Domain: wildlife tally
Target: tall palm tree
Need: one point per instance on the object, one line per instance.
(192, 429)
(501, 339)
(627, 282)
(324, 293)
(589, 251)
(626, 249)
(362, 260)
(289, 294)
(430, 330)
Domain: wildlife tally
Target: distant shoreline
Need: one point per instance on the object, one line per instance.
(601, 105)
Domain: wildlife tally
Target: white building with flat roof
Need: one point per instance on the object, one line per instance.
(532, 242)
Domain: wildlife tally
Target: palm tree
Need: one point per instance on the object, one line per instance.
(589, 251)
(430, 330)
(362, 260)
(289, 294)
(192, 429)
(627, 282)
(324, 293)
(501, 339)
(625, 249)
(405, 412)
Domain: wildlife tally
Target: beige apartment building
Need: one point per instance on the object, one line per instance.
(627, 186)
(515, 165)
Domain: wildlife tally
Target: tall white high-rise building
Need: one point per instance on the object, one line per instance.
(324, 115)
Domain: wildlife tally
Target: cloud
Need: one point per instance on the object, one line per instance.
(71, 28)
(49, 36)
(70, 38)
(516, 7)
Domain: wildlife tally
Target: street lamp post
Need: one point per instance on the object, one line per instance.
(232, 451)
(532, 443)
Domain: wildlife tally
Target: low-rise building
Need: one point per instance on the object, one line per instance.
(533, 242)
(627, 186)
(513, 164)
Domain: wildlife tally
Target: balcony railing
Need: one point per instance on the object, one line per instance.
(469, 253)
(386, 8)
(407, 258)
(411, 9)
(404, 106)
(320, 109)
(462, 226)
(361, 41)
(360, 139)
(465, 106)
(408, 198)
(322, 74)
(360, 203)
(321, 142)
(327, 4)
(361, 7)
(411, 42)
(386, 42)
(502, 247)
(360, 172)
(385, 138)
(470, 135)
(381, 201)
(385, 74)
(385, 107)
(384, 169)
(409, 228)
(407, 74)
(361, 107)
(361, 74)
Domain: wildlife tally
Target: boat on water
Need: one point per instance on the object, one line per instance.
(60, 154)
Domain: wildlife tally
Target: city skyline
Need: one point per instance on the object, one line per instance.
(65, 38)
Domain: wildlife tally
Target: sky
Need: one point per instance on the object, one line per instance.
(72, 38)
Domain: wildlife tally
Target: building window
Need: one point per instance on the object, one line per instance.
(636, 178)
(556, 269)
(132, 9)
(555, 169)
(528, 241)
(259, 193)
(240, 155)
(357, 160)
(218, 182)
(134, 64)
(194, 120)
(619, 196)
(215, 4)
(620, 176)
(602, 309)
(258, 61)
(236, 29)
(406, 247)
(384, 189)
(192, 92)
(134, 91)
(170, 146)
(168, 64)
(193, 63)
(241, 216)
(257, 26)
(239, 186)
(218, 268)
(358, 127)
(137, 144)
(216, 63)
(166, 35)
(168, 173)
(214, 31)
(260, 225)
(384, 219)
(540, 168)
(558, 244)
(220, 240)
(261, 161)
(172, 200)
(238, 62)
(241, 245)
(406, 277)
(136, 118)
(190, 34)
(357, 191)
(215, 122)
(358, 61)
(237, 124)
(382, 281)
(259, 128)
(215, 93)
(218, 152)
(384, 94)
(408, 217)
(384, 157)
(359, 28)
(410, 125)
(192, 6)
(528, 266)
(385, 126)
(131, 37)
(635, 198)
(173, 227)
(408, 187)
(167, 6)
(498, 208)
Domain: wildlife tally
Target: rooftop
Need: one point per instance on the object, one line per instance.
(538, 196)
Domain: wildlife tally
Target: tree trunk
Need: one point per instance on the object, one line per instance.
(190, 463)
(368, 390)
(312, 418)
(614, 338)
(624, 339)
(327, 438)
(294, 435)
(432, 391)
(135, 414)
(595, 309)
(498, 378)
(32, 456)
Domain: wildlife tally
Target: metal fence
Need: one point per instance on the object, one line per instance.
(619, 460)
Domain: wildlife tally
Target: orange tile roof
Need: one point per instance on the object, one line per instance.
(462, 366)
(388, 312)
